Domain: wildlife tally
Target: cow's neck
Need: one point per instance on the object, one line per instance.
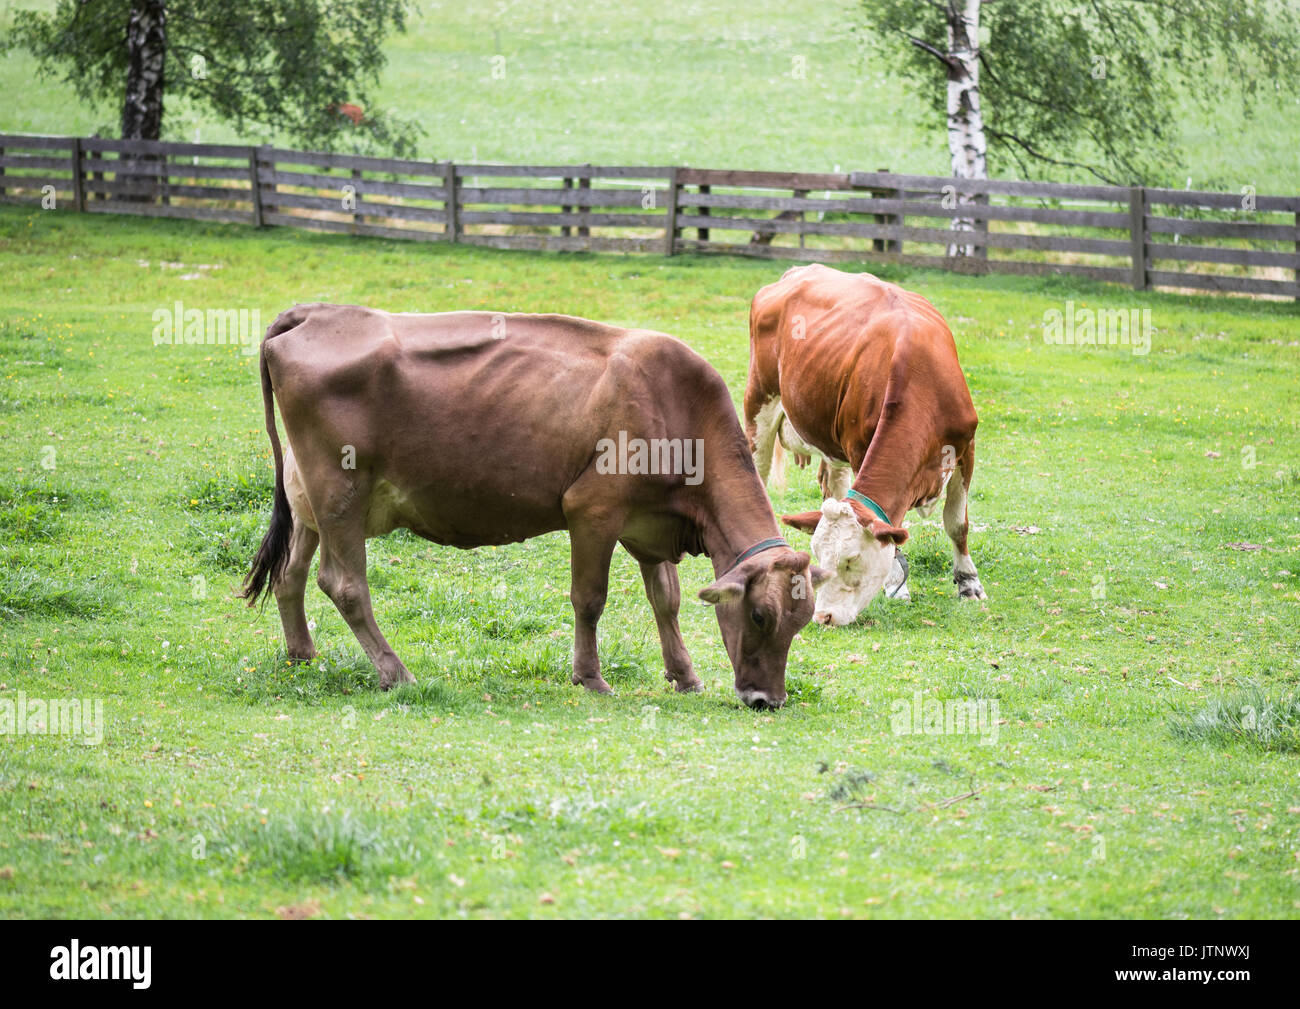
(891, 495)
(733, 515)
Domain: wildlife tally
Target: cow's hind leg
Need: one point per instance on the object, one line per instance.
(289, 592)
(342, 575)
(664, 591)
(956, 525)
(766, 429)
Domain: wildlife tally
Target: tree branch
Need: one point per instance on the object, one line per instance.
(938, 54)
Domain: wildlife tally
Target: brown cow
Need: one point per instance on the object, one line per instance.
(866, 374)
(471, 428)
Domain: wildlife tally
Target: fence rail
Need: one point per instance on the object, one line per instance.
(1146, 237)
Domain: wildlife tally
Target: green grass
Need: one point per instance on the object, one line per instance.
(1251, 714)
(710, 83)
(1141, 577)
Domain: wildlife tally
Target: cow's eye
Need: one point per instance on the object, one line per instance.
(760, 621)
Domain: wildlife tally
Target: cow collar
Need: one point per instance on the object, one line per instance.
(861, 498)
(758, 548)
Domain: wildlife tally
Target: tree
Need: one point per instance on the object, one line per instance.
(1081, 86)
(298, 67)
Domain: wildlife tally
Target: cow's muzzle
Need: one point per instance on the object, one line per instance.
(761, 699)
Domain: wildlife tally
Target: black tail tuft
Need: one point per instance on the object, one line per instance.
(273, 554)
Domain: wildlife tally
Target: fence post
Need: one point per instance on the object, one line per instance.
(670, 224)
(584, 183)
(255, 187)
(981, 249)
(451, 226)
(1297, 249)
(358, 217)
(1137, 210)
(2, 173)
(703, 233)
(97, 175)
(78, 187)
(566, 210)
(800, 194)
(266, 169)
(887, 244)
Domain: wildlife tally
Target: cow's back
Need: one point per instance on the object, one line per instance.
(463, 411)
(836, 347)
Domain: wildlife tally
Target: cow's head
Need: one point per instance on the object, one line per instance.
(762, 603)
(858, 549)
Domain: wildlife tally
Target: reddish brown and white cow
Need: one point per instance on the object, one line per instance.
(865, 374)
(471, 428)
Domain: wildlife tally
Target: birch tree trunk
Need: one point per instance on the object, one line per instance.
(966, 143)
(142, 107)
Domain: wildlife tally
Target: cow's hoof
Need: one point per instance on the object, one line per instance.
(298, 657)
(692, 686)
(395, 680)
(970, 588)
(596, 685)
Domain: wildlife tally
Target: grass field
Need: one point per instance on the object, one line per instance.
(1143, 579)
(710, 83)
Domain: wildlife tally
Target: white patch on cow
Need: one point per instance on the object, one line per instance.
(859, 563)
(839, 479)
(954, 523)
(768, 424)
(793, 440)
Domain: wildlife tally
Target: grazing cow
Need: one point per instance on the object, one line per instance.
(865, 374)
(471, 428)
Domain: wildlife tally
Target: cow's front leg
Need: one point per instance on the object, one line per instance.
(834, 478)
(896, 580)
(591, 545)
(956, 525)
(664, 591)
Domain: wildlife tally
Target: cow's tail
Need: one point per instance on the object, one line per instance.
(776, 475)
(273, 554)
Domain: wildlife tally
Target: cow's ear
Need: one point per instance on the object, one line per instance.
(820, 576)
(795, 563)
(727, 589)
(886, 533)
(807, 521)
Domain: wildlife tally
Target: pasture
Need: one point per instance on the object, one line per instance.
(759, 84)
(1134, 522)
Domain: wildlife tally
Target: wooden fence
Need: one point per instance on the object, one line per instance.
(1138, 236)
